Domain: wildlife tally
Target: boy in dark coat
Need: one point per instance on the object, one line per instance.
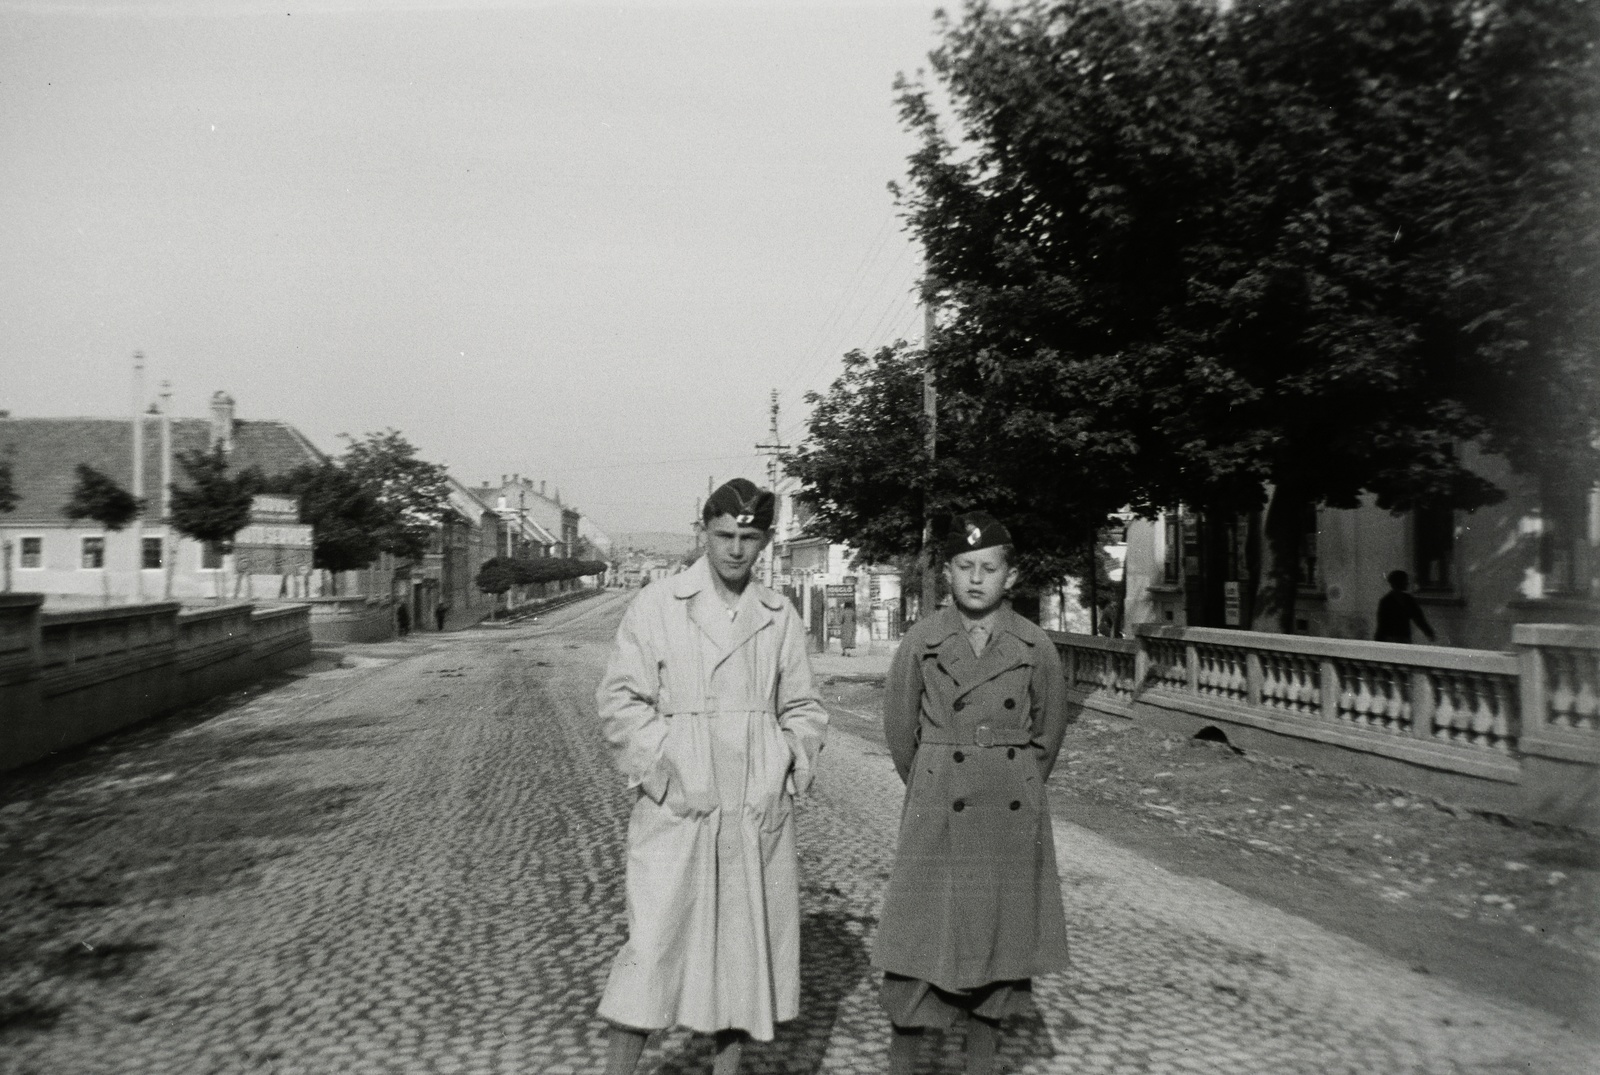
(974, 710)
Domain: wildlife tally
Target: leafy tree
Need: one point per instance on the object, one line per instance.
(215, 504)
(97, 496)
(412, 494)
(344, 515)
(1191, 253)
(865, 472)
(8, 489)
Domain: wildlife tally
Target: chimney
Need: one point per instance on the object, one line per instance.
(541, 487)
(222, 420)
(502, 479)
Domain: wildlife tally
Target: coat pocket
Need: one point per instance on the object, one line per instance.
(771, 760)
(686, 751)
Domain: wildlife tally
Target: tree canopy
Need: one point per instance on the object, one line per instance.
(1186, 253)
(8, 489)
(214, 504)
(412, 494)
(97, 496)
(343, 513)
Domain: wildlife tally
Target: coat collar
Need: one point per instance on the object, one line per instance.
(758, 606)
(1008, 647)
(947, 622)
(697, 576)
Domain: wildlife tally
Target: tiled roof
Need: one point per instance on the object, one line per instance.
(44, 454)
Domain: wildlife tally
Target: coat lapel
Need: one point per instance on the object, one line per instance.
(1006, 650)
(757, 608)
(706, 610)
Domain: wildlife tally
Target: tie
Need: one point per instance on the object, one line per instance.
(979, 633)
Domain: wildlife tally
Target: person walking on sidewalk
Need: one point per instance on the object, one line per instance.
(1398, 610)
(847, 629)
(974, 711)
(708, 708)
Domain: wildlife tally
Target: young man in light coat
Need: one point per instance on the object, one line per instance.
(709, 710)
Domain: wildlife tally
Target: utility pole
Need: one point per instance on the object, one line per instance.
(930, 440)
(138, 474)
(772, 451)
(169, 541)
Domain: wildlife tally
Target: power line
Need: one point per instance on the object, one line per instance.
(658, 462)
(842, 305)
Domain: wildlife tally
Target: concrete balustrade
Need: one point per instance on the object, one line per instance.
(1513, 733)
(71, 677)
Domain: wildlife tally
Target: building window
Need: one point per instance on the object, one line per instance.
(94, 553)
(150, 554)
(1172, 548)
(31, 553)
(211, 556)
(1561, 519)
(1433, 547)
(1310, 579)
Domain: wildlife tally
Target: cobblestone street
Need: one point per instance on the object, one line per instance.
(413, 864)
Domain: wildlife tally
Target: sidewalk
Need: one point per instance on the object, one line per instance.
(861, 664)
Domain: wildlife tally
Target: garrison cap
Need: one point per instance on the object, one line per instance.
(973, 531)
(745, 501)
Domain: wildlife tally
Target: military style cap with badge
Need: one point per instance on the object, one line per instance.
(974, 531)
(749, 504)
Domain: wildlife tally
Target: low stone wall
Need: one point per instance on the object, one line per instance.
(352, 619)
(1516, 734)
(69, 678)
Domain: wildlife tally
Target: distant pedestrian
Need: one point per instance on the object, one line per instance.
(847, 628)
(708, 707)
(440, 612)
(974, 711)
(403, 617)
(1398, 610)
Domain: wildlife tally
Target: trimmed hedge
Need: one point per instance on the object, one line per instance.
(498, 575)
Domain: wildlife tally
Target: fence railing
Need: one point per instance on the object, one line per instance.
(1478, 713)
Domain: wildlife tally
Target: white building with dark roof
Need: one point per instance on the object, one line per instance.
(75, 560)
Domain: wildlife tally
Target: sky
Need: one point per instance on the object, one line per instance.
(581, 242)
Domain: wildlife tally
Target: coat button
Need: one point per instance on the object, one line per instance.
(958, 806)
(961, 703)
(1016, 804)
(960, 756)
(1011, 703)
(1011, 752)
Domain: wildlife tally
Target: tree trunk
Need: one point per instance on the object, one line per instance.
(1285, 530)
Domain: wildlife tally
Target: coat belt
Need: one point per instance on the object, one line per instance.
(981, 736)
(712, 709)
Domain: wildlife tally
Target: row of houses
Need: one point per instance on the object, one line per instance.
(76, 562)
(1532, 558)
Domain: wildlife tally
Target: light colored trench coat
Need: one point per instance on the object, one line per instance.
(974, 897)
(716, 723)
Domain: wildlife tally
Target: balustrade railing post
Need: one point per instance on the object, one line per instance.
(1252, 677)
(1141, 662)
(1421, 703)
(1191, 658)
(1330, 688)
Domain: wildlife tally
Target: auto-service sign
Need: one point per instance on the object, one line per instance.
(275, 542)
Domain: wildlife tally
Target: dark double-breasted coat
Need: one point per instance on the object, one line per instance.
(974, 897)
